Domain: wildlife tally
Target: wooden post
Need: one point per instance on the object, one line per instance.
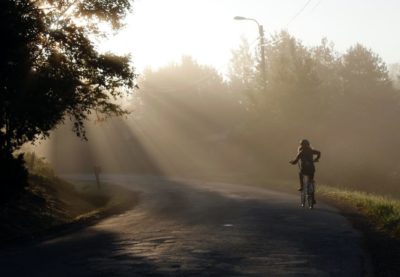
(97, 171)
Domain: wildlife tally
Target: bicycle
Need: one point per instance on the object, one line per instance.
(307, 193)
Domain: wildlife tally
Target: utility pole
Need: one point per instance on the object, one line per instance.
(262, 53)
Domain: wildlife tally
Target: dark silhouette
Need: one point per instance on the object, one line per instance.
(51, 70)
(97, 171)
(305, 154)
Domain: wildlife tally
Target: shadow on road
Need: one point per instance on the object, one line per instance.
(182, 229)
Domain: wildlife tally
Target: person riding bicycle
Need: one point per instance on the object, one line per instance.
(305, 154)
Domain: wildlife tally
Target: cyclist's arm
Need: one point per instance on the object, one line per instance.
(296, 159)
(318, 154)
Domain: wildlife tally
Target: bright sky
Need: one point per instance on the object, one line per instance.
(161, 31)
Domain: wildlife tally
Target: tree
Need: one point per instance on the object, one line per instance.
(364, 71)
(292, 79)
(189, 95)
(394, 74)
(367, 92)
(188, 114)
(51, 68)
(242, 72)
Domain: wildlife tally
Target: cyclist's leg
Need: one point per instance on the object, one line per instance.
(301, 178)
(311, 176)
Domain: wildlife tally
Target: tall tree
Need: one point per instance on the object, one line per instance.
(394, 74)
(362, 69)
(188, 94)
(243, 72)
(189, 114)
(52, 70)
(292, 79)
(367, 88)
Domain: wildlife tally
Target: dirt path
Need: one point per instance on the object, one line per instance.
(189, 228)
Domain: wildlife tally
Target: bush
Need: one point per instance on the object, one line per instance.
(13, 176)
(38, 165)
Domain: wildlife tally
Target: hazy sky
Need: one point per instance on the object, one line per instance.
(161, 31)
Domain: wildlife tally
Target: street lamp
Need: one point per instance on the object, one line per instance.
(261, 34)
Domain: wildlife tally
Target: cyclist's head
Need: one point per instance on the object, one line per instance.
(305, 143)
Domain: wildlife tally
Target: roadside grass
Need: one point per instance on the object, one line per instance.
(50, 204)
(108, 200)
(378, 218)
(383, 213)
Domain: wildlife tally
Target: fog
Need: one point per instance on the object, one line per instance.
(188, 120)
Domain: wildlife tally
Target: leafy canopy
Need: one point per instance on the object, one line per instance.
(51, 68)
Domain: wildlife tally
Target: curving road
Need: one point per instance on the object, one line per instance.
(192, 228)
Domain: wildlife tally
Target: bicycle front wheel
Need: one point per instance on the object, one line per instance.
(310, 201)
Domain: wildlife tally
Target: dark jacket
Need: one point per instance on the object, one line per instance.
(306, 157)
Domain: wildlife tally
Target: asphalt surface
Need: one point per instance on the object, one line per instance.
(193, 228)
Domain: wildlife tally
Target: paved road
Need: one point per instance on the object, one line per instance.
(191, 228)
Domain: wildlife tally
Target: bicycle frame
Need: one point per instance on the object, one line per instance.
(307, 194)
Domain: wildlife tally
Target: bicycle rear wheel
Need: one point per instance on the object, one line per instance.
(310, 194)
(302, 198)
(310, 201)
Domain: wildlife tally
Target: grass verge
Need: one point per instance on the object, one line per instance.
(378, 218)
(382, 212)
(50, 206)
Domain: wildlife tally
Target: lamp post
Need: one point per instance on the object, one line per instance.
(261, 36)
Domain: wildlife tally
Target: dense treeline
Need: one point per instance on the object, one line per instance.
(345, 103)
(187, 119)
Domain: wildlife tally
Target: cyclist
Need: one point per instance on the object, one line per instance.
(305, 153)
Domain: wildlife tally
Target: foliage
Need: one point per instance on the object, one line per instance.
(394, 74)
(346, 103)
(38, 165)
(382, 212)
(13, 176)
(242, 72)
(51, 68)
(191, 95)
(186, 113)
(291, 72)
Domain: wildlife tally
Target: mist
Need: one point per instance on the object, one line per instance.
(237, 151)
(188, 120)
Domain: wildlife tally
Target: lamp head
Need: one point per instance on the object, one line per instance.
(239, 18)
